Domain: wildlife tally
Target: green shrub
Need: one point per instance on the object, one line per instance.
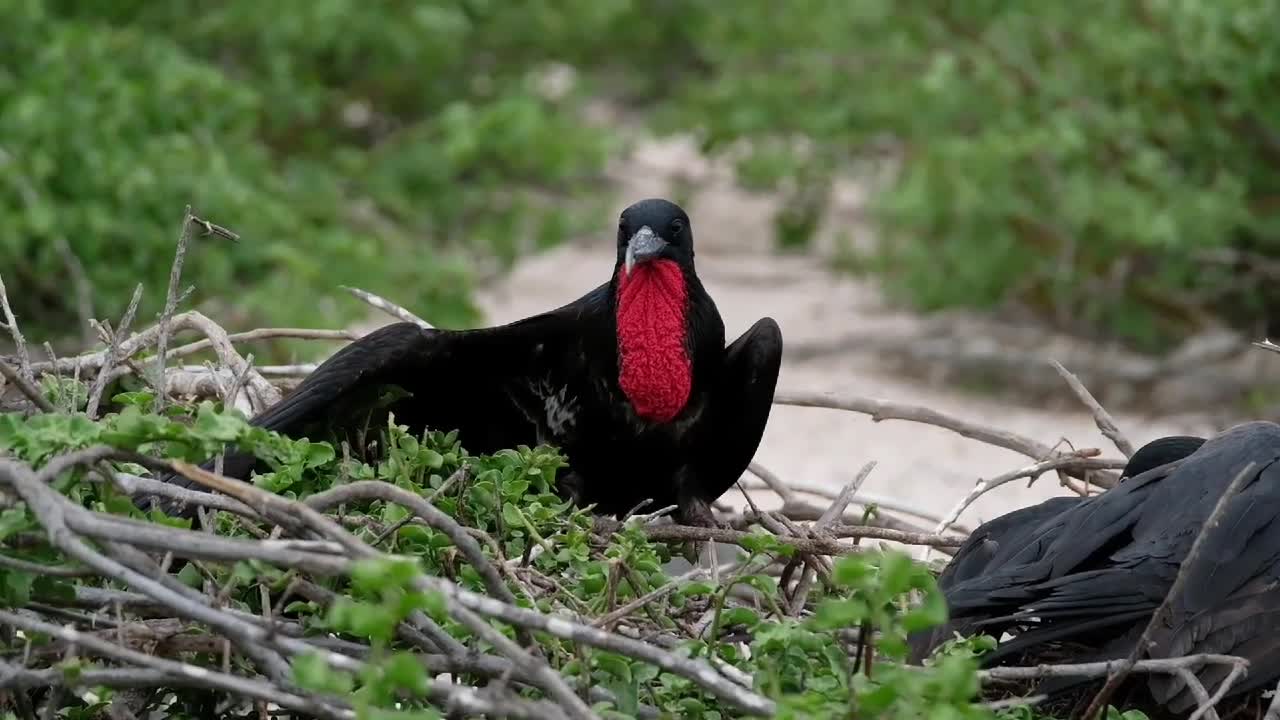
(381, 145)
(1092, 161)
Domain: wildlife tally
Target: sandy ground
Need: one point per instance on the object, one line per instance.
(925, 467)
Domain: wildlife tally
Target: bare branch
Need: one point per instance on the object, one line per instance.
(1163, 666)
(171, 301)
(113, 352)
(24, 385)
(830, 516)
(817, 546)
(11, 324)
(204, 676)
(881, 410)
(387, 307)
(1101, 417)
(984, 486)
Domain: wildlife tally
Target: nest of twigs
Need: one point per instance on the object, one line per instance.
(312, 603)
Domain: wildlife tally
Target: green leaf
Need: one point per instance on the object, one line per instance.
(739, 616)
(15, 587)
(312, 672)
(696, 588)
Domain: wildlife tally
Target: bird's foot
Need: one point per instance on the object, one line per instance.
(569, 486)
(697, 512)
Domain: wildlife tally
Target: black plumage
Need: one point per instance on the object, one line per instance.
(1093, 575)
(637, 388)
(995, 541)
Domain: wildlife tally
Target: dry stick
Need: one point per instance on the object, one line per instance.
(1273, 710)
(282, 510)
(388, 307)
(267, 334)
(984, 486)
(831, 515)
(1165, 666)
(814, 546)
(42, 568)
(206, 677)
(654, 595)
(237, 384)
(1101, 417)
(62, 520)
(24, 385)
(773, 482)
(863, 499)
(1267, 345)
(538, 671)
(1100, 700)
(113, 351)
(94, 359)
(429, 514)
(171, 302)
(881, 410)
(1207, 707)
(11, 323)
(699, 672)
(266, 393)
(132, 485)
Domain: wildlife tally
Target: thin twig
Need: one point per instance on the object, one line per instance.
(24, 385)
(830, 516)
(1101, 417)
(984, 486)
(881, 410)
(171, 302)
(818, 546)
(11, 324)
(113, 352)
(208, 678)
(1164, 666)
(387, 306)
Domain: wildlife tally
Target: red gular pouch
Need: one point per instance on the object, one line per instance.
(654, 369)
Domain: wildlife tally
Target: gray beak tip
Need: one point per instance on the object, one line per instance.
(642, 246)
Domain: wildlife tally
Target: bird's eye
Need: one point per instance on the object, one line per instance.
(677, 226)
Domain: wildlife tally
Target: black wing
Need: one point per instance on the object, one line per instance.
(488, 383)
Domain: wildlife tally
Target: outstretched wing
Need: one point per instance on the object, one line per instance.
(490, 383)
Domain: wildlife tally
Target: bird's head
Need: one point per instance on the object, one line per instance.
(652, 281)
(652, 230)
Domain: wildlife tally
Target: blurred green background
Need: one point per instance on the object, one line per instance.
(1113, 167)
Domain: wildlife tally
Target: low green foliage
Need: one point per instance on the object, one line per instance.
(804, 664)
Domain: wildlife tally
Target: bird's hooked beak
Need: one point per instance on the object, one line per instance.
(643, 246)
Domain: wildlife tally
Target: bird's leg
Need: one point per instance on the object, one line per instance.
(739, 412)
(569, 485)
(694, 510)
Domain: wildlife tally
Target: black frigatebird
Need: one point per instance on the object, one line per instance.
(632, 381)
(995, 541)
(1091, 578)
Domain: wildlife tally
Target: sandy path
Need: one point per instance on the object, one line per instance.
(927, 467)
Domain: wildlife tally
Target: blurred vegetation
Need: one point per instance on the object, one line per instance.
(381, 145)
(1110, 166)
(1113, 166)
